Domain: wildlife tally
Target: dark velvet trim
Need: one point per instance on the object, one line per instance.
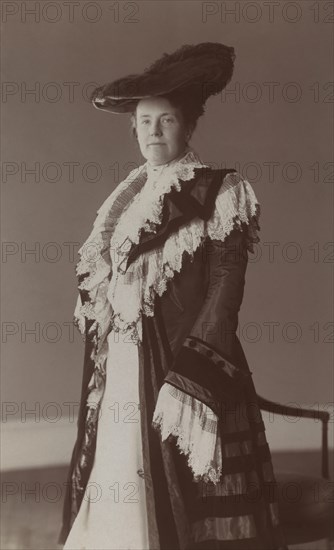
(79, 471)
(192, 389)
(245, 463)
(153, 375)
(188, 207)
(194, 341)
(153, 530)
(199, 368)
(230, 505)
(187, 202)
(243, 435)
(252, 543)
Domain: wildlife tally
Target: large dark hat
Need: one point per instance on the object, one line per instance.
(201, 70)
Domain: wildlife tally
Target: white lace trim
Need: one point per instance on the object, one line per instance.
(144, 210)
(236, 203)
(134, 292)
(195, 427)
(118, 299)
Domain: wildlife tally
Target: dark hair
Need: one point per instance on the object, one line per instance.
(190, 104)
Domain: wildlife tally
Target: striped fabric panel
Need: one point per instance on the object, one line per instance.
(227, 528)
(236, 493)
(240, 416)
(274, 537)
(238, 518)
(241, 484)
(243, 508)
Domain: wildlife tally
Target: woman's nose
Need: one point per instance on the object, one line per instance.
(155, 129)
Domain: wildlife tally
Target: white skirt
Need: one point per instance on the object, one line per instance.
(112, 515)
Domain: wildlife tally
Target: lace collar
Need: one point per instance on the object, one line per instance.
(155, 171)
(135, 205)
(145, 211)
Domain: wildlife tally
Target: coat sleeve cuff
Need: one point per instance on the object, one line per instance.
(195, 429)
(206, 374)
(190, 404)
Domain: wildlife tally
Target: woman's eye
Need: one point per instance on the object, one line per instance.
(145, 121)
(167, 120)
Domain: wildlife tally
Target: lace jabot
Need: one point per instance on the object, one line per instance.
(118, 298)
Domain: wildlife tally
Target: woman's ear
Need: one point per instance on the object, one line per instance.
(189, 132)
(134, 126)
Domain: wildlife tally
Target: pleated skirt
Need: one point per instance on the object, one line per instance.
(112, 515)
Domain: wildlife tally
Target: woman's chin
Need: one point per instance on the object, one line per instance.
(158, 159)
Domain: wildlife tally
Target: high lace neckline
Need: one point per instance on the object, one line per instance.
(144, 212)
(154, 171)
(135, 206)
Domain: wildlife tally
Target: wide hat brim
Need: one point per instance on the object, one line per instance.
(201, 70)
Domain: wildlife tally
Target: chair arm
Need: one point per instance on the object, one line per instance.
(299, 412)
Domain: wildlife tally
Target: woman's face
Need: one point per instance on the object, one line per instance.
(161, 130)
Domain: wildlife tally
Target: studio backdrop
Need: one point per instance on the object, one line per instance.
(61, 158)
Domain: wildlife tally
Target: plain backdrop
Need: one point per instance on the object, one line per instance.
(273, 124)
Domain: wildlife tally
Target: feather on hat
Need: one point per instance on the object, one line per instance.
(201, 70)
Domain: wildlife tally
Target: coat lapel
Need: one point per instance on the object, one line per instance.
(196, 199)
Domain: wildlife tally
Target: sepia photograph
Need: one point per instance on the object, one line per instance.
(167, 171)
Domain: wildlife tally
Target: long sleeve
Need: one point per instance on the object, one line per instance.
(231, 233)
(207, 358)
(205, 373)
(217, 321)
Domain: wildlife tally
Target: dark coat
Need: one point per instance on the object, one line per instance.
(191, 343)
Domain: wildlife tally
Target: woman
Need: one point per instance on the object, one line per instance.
(171, 450)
